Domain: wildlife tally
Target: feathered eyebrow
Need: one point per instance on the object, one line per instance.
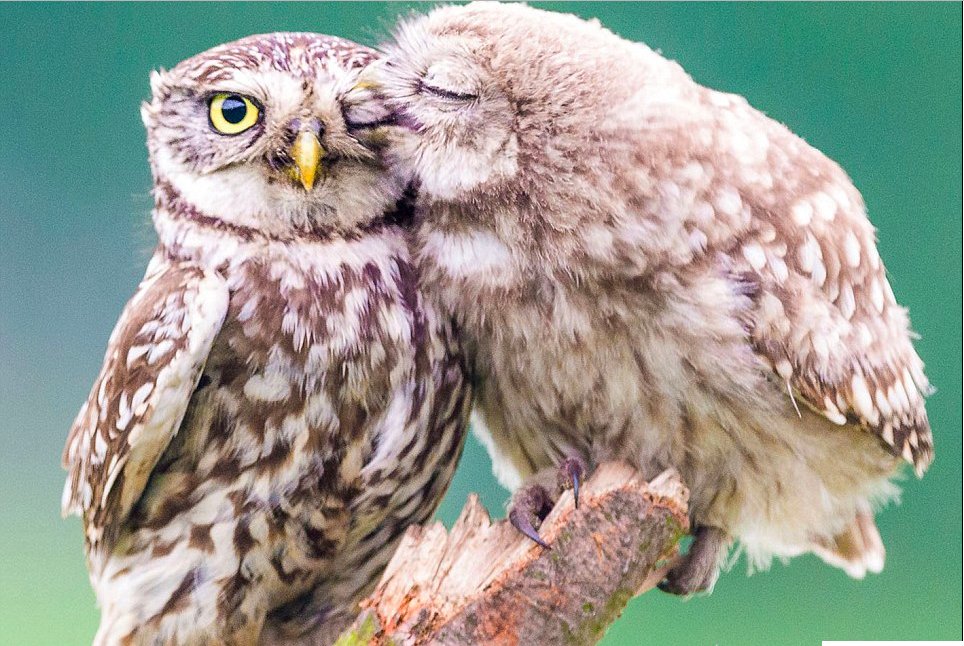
(207, 94)
(240, 81)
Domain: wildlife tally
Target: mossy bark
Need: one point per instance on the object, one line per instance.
(483, 583)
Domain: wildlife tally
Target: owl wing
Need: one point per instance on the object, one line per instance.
(823, 314)
(154, 360)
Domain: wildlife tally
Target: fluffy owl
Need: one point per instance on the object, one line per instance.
(648, 270)
(277, 401)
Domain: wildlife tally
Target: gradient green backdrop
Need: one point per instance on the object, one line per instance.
(877, 87)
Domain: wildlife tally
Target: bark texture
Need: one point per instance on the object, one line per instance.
(484, 583)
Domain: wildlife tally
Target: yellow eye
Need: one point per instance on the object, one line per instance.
(232, 114)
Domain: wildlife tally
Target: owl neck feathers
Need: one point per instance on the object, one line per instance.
(189, 233)
(168, 201)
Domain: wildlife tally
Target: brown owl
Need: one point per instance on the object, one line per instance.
(277, 401)
(649, 270)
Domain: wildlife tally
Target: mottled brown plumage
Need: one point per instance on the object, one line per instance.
(277, 402)
(651, 270)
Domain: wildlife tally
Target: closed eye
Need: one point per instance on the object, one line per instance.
(447, 94)
(376, 123)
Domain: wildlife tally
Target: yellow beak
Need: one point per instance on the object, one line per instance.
(307, 153)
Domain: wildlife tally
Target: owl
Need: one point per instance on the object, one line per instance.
(645, 269)
(278, 401)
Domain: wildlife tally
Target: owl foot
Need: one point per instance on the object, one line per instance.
(571, 472)
(529, 507)
(698, 569)
(533, 502)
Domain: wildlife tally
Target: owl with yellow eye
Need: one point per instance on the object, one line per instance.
(277, 401)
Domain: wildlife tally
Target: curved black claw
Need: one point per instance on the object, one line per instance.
(571, 473)
(531, 503)
(520, 521)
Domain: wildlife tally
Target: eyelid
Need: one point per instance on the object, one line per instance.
(447, 94)
(363, 125)
(209, 96)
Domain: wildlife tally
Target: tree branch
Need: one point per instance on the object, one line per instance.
(483, 583)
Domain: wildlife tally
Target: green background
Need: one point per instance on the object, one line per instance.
(877, 87)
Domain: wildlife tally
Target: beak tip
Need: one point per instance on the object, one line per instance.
(307, 153)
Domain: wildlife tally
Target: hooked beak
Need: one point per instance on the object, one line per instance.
(306, 152)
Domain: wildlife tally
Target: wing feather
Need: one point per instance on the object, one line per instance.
(154, 359)
(824, 315)
(793, 230)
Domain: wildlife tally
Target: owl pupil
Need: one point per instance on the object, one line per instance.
(233, 109)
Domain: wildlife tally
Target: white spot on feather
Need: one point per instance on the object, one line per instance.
(138, 401)
(824, 206)
(123, 412)
(248, 309)
(871, 252)
(692, 172)
(889, 292)
(882, 404)
(802, 213)
(862, 401)
(909, 384)
(135, 353)
(100, 448)
(779, 269)
(472, 253)
(852, 249)
(697, 240)
(703, 213)
(846, 301)
(908, 454)
(877, 295)
(808, 254)
(833, 413)
(784, 369)
(898, 398)
(159, 350)
(754, 255)
(819, 274)
(728, 201)
(269, 388)
(864, 335)
(598, 240)
(887, 433)
(102, 397)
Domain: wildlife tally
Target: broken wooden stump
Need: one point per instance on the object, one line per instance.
(484, 583)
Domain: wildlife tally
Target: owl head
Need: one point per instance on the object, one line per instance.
(494, 96)
(258, 133)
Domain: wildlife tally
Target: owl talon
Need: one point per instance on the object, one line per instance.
(521, 523)
(571, 473)
(698, 570)
(531, 504)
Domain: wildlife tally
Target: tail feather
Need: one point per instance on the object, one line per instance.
(856, 550)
